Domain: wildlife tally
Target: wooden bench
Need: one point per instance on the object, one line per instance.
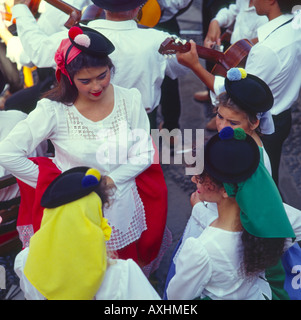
(9, 237)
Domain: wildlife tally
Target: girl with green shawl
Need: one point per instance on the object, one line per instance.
(228, 260)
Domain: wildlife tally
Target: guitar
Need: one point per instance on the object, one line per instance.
(234, 56)
(74, 13)
(150, 14)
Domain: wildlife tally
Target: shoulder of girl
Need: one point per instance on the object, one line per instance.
(47, 103)
(48, 107)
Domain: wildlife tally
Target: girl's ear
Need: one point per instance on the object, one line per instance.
(255, 125)
(224, 193)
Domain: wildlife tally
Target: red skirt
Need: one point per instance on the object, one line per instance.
(151, 188)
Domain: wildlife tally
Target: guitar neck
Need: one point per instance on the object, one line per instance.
(73, 12)
(210, 54)
(34, 6)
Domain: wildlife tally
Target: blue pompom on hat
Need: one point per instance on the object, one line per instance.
(234, 74)
(226, 133)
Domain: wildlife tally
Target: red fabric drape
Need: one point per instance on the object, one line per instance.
(151, 188)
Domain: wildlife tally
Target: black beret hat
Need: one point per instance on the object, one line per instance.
(118, 5)
(249, 92)
(69, 186)
(90, 41)
(231, 156)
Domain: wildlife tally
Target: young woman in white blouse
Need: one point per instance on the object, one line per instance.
(93, 123)
(227, 261)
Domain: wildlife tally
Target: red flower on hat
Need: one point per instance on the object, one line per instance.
(74, 31)
(78, 36)
(60, 61)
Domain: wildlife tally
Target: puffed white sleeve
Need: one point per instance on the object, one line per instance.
(202, 215)
(39, 126)
(141, 153)
(136, 286)
(193, 272)
(124, 280)
(29, 291)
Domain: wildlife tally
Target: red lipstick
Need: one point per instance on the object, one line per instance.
(96, 94)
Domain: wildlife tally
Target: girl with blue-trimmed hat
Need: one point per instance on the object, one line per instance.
(246, 103)
(67, 258)
(228, 260)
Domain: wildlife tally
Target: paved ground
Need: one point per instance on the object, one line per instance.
(195, 116)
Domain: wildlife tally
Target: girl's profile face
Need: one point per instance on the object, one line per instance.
(92, 83)
(227, 117)
(207, 190)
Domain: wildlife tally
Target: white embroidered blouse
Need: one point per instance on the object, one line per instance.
(119, 146)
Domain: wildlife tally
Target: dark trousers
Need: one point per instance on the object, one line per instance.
(170, 103)
(152, 116)
(273, 142)
(170, 97)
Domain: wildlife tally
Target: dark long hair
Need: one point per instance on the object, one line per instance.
(258, 253)
(105, 192)
(66, 92)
